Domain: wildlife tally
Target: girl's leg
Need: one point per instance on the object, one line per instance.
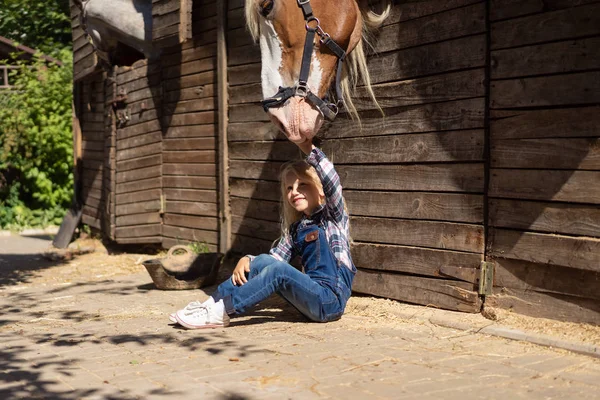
(256, 266)
(310, 298)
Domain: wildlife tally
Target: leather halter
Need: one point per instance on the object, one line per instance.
(327, 109)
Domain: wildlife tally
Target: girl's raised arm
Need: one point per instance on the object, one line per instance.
(330, 179)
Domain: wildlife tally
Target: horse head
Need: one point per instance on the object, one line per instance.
(306, 48)
(119, 30)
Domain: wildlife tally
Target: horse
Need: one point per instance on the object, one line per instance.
(300, 62)
(119, 30)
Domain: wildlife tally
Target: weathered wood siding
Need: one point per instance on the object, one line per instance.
(90, 106)
(171, 21)
(137, 107)
(85, 60)
(544, 191)
(413, 180)
(189, 122)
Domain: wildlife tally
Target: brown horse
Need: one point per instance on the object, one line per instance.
(280, 26)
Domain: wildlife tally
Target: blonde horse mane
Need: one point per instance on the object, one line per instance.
(355, 66)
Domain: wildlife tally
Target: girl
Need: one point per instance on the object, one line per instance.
(314, 226)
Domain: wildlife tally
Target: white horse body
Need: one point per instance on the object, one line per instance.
(113, 22)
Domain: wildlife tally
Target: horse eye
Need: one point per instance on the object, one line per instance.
(266, 6)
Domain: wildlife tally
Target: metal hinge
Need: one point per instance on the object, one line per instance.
(486, 278)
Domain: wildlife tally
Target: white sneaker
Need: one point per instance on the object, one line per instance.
(191, 306)
(208, 316)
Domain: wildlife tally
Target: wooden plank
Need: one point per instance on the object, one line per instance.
(504, 9)
(138, 174)
(204, 143)
(191, 93)
(570, 219)
(137, 196)
(417, 9)
(244, 74)
(140, 151)
(140, 69)
(191, 208)
(143, 162)
(138, 219)
(451, 55)
(549, 58)
(258, 190)
(416, 205)
(189, 68)
(457, 296)
(257, 209)
(251, 131)
(91, 221)
(192, 54)
(556, 90)
(139, 129)
(191, 131)
(169, 242)
(546, 153)
(260, 229)
(145, 184)
(139, 240)
(140, 140)
(447, 116)
(189, 81)
(204, 104)
(190, 169)
(206, 196)
(151, 205)
(247, 113)
(193, 156)
(190, 182)
(250, 93)
(249, 245)
(194, 235)
(430, 89)
(276, 151)
(556, 123)
(557, 185)
(545, 305)
(206, 117)
(190, 221)
(466, 145)
(565, 251)
(435, 177)
(255, 170)
(446, 25)
(432, 234)
(412, 260)
(243, 55)
(570, 23)
(527, 276)
(138, 231)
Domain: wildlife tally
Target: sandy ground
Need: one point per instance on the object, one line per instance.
(100, 265)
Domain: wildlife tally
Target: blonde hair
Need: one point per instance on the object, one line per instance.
(355, 66)
(302, 170)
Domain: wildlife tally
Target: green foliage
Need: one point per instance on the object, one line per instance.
(36, 145)
(44, 25)
(199, 247)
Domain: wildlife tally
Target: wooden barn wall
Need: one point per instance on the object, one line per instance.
(85, 59)
(189, 136)
(89, 103)
(171, 21)
(138, 161)
(544, 194)
(414, 181)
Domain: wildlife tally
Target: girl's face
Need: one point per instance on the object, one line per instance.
(302, 194)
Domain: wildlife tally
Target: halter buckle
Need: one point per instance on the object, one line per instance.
(301, 89)
(316, 28)
(303, 2)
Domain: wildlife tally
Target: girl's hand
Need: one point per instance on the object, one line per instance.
(306, 146)
(239, 272)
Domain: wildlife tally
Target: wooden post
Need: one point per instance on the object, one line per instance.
(223, 100)
(185, 20)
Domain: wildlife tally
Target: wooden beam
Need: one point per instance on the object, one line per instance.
(223, 110)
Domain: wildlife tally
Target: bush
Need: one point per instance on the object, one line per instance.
(36, 144)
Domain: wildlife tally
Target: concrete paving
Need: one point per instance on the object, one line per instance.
(107, 336)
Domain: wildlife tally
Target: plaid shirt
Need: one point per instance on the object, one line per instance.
(335, 219)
